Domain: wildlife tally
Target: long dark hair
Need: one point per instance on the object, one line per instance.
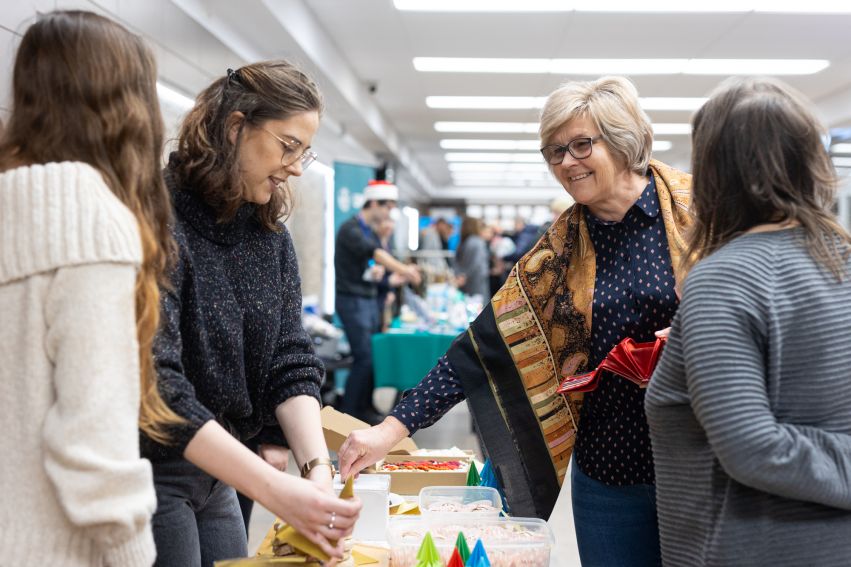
(207, 161)
(84, 89)
(758, 157)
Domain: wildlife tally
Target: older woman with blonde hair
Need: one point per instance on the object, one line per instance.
(605, 270)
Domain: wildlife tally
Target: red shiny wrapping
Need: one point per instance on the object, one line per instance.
(629, 359)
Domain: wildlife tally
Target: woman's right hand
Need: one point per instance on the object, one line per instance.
(365, 447)
(319, 516)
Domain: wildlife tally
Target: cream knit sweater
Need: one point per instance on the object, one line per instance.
(73, 490)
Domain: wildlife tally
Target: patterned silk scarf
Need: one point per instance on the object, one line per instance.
(537, 329)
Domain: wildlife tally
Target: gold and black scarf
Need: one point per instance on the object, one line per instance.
(536, 330)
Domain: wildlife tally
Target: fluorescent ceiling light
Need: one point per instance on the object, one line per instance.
(490, 144)
(621, 66)
(661, 145)
(660, 129)
(493, 102)
(627, 6)
(672, 103)
(490, 175)
(536, 102)
(506, 183)
(671, 129)
(499, 167)
(174, 98)
(488, 127)
(495, 157)
(840, 149)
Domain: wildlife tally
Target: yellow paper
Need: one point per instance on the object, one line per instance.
(349, 488)
(362, 558)
(288, 534)
(410, 508)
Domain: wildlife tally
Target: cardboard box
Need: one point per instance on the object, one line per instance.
(337, 425)
(409, 483)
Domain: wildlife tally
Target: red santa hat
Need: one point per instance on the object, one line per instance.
(380, 191)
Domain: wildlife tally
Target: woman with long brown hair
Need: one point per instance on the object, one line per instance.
(471, 260)
(83, 246)
(750, 406)
(232, 356)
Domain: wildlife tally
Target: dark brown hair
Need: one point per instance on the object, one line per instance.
(84, 89)
(758, 157)
(207, 161)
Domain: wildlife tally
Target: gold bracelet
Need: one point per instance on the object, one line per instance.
(317, 462)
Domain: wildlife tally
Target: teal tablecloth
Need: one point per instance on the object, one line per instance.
(401, 359)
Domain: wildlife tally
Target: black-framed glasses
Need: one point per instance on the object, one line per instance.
(579, 148)
(291, 155)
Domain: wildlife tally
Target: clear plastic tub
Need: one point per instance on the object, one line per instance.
(373, 491)
(478, 501)
(509, 542)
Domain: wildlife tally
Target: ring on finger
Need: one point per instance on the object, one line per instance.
(331, 523)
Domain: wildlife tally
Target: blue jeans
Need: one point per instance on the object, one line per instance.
(359, 316)
(198, 520)
(616, 526)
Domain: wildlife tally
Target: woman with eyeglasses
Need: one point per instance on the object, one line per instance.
(750, 405)
(605, 270)
(232, 357)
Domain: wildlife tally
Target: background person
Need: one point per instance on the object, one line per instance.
(606, 270)
(750, 406)
(471, 260)
(357, 251)
(83, 244)
(232, 356)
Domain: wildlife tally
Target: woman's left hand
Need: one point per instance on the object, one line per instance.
(663, 334)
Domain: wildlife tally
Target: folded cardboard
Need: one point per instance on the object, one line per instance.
(337, 425)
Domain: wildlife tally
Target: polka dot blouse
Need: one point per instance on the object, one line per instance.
(633, 297)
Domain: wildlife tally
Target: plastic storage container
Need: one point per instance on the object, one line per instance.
(463, 500)
(373, 490)
(509, 542)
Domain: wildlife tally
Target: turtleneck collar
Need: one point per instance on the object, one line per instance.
(191, 208)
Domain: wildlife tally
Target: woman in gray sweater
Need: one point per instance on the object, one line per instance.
(472, 263)
(750, 406)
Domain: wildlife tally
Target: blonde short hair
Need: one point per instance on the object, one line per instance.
(611, 103)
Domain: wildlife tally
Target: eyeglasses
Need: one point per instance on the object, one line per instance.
(579, 148)
(291, 155)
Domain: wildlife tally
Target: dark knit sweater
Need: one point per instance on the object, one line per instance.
(231, 346)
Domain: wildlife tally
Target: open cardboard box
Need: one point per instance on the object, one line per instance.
(337, 425)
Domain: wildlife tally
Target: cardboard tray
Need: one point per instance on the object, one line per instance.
(409, 483)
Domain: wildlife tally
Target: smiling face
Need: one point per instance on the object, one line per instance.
(591, 181)
(260, 154)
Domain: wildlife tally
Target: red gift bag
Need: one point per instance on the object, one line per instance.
(629, 359)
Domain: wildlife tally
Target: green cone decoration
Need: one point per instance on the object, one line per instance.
(427, 556)
(473, 478)
(462, 547)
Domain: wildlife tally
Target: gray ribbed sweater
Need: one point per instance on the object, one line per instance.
(750, 411)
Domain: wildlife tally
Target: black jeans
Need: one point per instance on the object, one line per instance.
(198, 520)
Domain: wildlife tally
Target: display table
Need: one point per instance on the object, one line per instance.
(401, 358)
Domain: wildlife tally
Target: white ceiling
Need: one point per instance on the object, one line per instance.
(349, 45)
